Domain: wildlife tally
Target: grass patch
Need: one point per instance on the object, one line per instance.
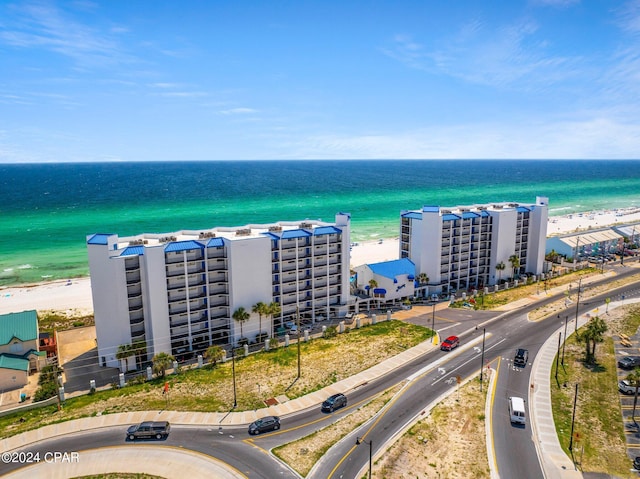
(599, 443)
(302, 454)
(258, 377)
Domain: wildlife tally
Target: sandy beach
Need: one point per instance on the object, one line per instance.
(75, 294)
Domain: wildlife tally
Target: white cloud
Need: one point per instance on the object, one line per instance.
(580, 139)
(43, 26)
(511, 55)
(238, 111)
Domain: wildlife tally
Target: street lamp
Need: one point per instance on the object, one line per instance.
(578, 302)
(433, 320)
(233, 372)
(482, 358)
(360, 440)
(566, 320)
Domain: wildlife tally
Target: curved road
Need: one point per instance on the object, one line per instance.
(433, 376)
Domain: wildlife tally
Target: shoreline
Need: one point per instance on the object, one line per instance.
(74, 294)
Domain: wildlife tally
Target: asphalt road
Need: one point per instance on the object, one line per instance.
(432, 377)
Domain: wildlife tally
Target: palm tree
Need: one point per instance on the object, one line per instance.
(500, 268)
(372, 284)
(214, 354)
(597, 327)
(634, 380)
(139, 348)
(125, 351)
(241, 316)
(515, 263)
(162, 362)
(422, 279)
(273, 309)
(261, 309)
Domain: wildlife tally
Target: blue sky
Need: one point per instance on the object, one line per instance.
(215, 80)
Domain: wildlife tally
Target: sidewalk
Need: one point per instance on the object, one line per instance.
(556, 464)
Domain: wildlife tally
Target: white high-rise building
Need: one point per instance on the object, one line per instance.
(459, 248)
(177, 292)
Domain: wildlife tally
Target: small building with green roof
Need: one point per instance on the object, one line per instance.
(19, 352)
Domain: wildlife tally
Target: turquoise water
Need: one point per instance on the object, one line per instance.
(47, 210)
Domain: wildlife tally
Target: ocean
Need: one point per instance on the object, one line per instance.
(47, 210)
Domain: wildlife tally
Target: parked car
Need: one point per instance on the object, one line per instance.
(522, 356)
(334, 402)
(629, 362)
(265, 424)
(149, 429)
(625, 387)
(450, 343)
(636, 463)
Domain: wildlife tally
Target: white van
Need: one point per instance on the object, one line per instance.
(516, 410)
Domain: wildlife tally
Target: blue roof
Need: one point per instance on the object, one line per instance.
(391, 269)
(450, 217)
(470, 214)
(215, 242)
(23, 325)
(522, 209)
(99, 239)
(10, 361)
(485, 213)
(431, 209)
(295, 234)
(326, 230)
(414, 215)
(182, 246)
(132, 251)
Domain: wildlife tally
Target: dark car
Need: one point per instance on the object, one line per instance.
(629, 362)
(269, 423)
(522, 356)
(149, 429)
(334, 402)
(450, 343)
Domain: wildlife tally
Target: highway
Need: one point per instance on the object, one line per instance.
(431, 377)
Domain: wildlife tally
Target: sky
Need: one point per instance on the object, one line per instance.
(143, 80)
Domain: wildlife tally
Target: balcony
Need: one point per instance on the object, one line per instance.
(138, 336)
(135, 319)
(131, 265)
(218, 264)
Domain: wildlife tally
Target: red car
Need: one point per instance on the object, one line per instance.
(450, 343)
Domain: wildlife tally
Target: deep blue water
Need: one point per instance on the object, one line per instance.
(46, 210)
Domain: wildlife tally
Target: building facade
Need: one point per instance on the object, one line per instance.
(464, 247)
(387, 282)
(177, 293)
(19, 352)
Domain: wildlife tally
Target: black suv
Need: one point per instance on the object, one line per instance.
(522, 356)
(269, 423)
(149, 429)
(629, 362)
(334, 402)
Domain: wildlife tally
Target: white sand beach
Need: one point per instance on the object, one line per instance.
(75, 294)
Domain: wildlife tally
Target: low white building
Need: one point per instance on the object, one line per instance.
(469, 247)
(177, 292)
(386, 282)
(585, 243)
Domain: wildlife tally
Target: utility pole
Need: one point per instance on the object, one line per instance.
(233, 372)
(482, 358)
(299, 332)
(578, 302)
(566, 320)
(573, 418)
(558, 355)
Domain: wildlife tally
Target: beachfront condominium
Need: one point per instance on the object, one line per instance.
(177, 292)
(470, 247)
